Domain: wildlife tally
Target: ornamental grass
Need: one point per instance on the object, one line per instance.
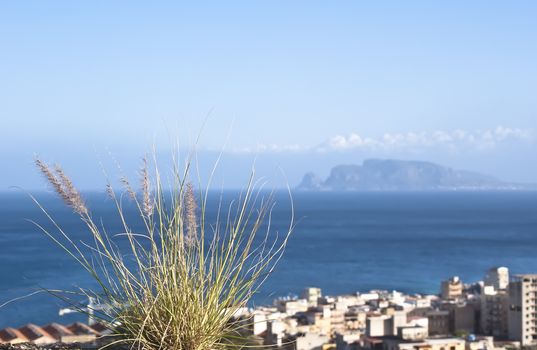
(182, 280)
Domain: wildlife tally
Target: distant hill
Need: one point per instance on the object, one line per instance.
(402, 175)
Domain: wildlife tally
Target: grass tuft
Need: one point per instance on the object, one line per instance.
(182, 280)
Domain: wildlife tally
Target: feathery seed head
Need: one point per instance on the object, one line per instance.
(126, 184)
(190, 216)
(147, 200)
(49, 176)
(110, 191)
(63, 186)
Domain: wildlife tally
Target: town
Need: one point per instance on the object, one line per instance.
(496, 313)
(499, 312)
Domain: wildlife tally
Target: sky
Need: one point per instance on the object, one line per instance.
(290, 86)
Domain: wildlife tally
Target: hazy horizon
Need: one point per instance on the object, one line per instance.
(232, 170)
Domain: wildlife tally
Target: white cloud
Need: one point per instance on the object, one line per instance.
(451, 140)
(454, 139)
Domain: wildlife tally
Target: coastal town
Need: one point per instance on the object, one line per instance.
(499, 312)
(496, 313)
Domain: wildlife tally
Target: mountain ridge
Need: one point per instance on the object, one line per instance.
(404, 175)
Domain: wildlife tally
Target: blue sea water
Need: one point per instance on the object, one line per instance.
(343, 242)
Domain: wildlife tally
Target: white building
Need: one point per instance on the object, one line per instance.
(291, 306)
(523, 309)
(497, 277)
(311, 341)
(312, 295)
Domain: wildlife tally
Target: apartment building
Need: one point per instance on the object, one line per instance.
(522, 309)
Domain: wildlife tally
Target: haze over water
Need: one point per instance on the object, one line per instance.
(344, 242)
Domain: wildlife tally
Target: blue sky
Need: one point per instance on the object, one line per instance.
(298, 85)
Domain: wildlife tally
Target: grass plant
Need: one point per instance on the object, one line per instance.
(182, 279)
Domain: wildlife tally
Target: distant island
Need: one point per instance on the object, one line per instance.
(403, 175)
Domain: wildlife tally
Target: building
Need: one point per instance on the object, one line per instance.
(348, 340)
(310, 341)
(275, 333)
(399, 319)
(378, 325)
(36, 334)
(291, 306)
(53, 333)
(355, 318)
(523, 309)
(462, 317)
(497, 277)
(320, 319)
(426, 344)
(66, 335)
(412, 333)
(12, 336)
(259, 323)
(494, 312)
(387, 324)
(452, 288)
(438, 322)
(480, 343)
(312, 295)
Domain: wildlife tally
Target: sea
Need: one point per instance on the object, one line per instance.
(341, 242)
